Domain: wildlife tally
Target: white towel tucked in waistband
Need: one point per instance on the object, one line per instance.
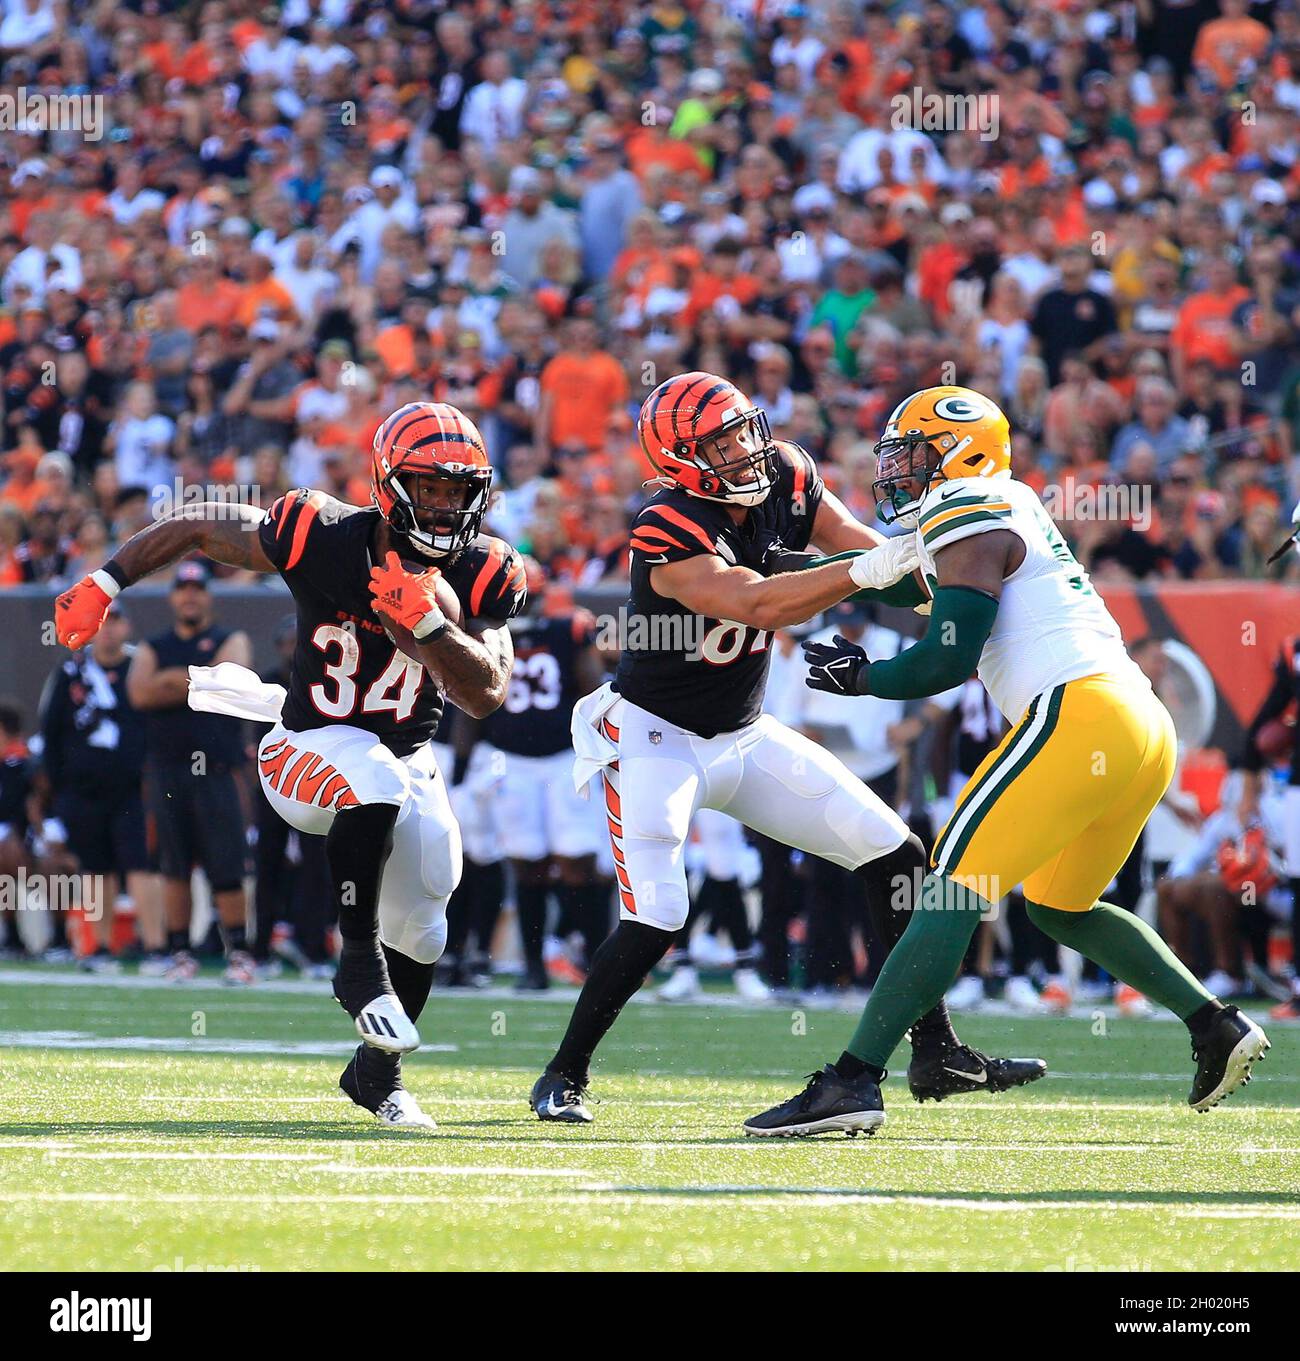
(592, 750)
(229, 688)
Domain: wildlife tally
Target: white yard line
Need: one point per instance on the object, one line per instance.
(737, 1197)
(449, 1170)
(184, 1044)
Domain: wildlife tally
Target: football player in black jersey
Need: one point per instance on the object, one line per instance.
(549, 833)
(376, 653)
(682, 728)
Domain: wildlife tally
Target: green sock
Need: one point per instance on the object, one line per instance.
(920, 968)
(1128, 949)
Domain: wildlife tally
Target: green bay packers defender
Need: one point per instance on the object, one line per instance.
(1057, 806)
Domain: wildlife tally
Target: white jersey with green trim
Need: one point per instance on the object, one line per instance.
(1051, 625)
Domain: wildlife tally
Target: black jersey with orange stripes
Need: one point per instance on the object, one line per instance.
(534, 719)
(708, 675)
(345, 668)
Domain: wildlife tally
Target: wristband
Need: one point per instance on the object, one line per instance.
(110, 579)
(431, 627)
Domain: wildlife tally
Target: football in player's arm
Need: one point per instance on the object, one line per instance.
(472, 664)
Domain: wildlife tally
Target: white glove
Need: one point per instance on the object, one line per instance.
(880, 567)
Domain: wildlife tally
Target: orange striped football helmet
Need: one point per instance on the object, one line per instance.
(430, 478)
(944, 432)
(702, 434)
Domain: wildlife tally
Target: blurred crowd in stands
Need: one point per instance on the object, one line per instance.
(279, 222)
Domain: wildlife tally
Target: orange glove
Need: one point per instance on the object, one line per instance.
(79, 612)
(407, 598)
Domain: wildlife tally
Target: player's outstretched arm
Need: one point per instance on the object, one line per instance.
(226, 533)
(971, 572)
(711, 587)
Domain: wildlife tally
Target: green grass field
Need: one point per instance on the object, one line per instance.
(149, 1127)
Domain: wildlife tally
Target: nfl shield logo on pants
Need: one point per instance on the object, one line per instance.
(655, 737)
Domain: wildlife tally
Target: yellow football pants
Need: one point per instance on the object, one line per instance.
(1058, 805)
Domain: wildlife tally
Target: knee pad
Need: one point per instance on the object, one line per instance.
(863, 825)
(662, 903)
(422, 940)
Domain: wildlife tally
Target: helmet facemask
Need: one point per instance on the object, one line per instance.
(905, 467)
(737, 460)
(437, 512)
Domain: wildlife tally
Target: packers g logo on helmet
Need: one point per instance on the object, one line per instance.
(943, 432)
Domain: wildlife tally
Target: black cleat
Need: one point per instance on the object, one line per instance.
(533, 979)
(829, 1102)
(554, 1097)
(954, 1072)
(1224, 1058)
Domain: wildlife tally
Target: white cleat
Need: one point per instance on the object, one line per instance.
(383, 1024)
(966, 993)
(400, 1110)
(1021, 994)
(683, 986)
(751, 987)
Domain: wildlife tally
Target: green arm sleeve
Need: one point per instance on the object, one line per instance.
(904, 594)
(960, 624)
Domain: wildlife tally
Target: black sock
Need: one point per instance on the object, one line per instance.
(178, 941)
(595, 917)
(489, 894)
(730, 915)
(569, 898)
(1200, 1021)
(234, 938)
(411, 980)
(460, 913)
(618, 970)
(357, 849)
(850, 1066)
(892, 882)
(530, 902)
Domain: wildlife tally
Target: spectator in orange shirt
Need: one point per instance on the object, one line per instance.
(940, 261)
(22, 488)
(1225, 43)
(263, 295)
(582, 389)
(720, 278)
(1204, 326)
(206, 298)
(651, 147)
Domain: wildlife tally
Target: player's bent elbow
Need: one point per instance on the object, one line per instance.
(482, 703)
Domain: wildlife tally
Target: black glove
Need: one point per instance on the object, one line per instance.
(839, 668)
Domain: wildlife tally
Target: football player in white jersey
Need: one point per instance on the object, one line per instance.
(1058, 805)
